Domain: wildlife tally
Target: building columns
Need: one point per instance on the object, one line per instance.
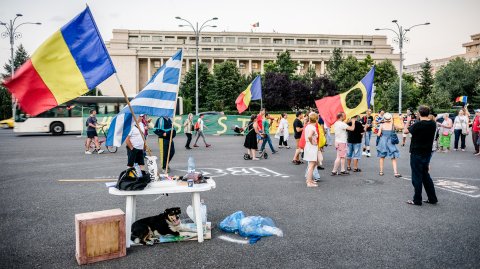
(149, 71)
(322, 68)
(250, 66)
(161, 61)
(261, 66)
(187, 64)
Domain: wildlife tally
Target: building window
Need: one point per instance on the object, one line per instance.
(242, 49)
(218, 49)
(277, 41)
(357, 42)
(218, 39)
(325, 51)
(367, 43)
(241, 65)
(169, 39)
(169, 48)
(157, 38)
(335, 42)
(312, 42)
(192, 38)
(206, 49)
(206, 39)
(301, 41)
(323, 41)
(254, 49)
(156, 48)
(289, 41)
(266, 41)
(144, 48)
(242, 40)
(278, 50)
(369, 52)
(348, 52)
(231, 49)
(255, 65)
(302, 50)
(313, 51)
(230, 39)
(346, 42)
(145, 38)
(266, 50)
(254, 40)
(358, 52)
(133, 38)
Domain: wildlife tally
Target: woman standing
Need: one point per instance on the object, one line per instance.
(445, 133)
(251, 138)
(282, 132)
(460, 126)
(310, 152)
(188, 128)
(385, 147)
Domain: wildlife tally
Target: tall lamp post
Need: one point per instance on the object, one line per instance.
(401, 37)
(12, 34)
(197, 31)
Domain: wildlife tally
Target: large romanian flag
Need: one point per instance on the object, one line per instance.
(329, 107)
(253, 92)
(71, 62)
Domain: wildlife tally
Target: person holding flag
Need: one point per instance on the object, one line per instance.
(165, 131)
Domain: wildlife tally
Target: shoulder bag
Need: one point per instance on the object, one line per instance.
(394, 136)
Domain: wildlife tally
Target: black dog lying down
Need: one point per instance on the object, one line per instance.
(144, 230)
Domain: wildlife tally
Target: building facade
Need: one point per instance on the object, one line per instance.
(138, 54)
(472, 53)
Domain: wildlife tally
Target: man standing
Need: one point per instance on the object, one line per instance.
(199, 129)
(354, 144)
(367, 122)
(164, 129)
(341, 128)
(266, 137)
(476, 131)
(135, 146)
(423, 133)
(92, 133)
(297, 134)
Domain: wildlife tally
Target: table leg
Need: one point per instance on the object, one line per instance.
(134, 209)
(198, 215)
(129, 212)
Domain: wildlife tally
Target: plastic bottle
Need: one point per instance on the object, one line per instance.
(138, 170)
(191, 165)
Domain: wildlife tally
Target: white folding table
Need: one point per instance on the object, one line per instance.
(161, 188)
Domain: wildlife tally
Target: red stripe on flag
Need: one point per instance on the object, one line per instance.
(329, 107)
(28, 87)
(240, 104)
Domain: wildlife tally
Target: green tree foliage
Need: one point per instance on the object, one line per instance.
(276, 91)
(21, 56)
(283, 64)
(227, 85)
(425, 84)
(335, 61)
(385, 75)
(187, 87)
(389, 101)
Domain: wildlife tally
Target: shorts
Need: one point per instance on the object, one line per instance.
(341, 149)
(92, 134)
(354, 151)
(135, 156)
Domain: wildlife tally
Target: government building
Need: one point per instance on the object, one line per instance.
(137, 54)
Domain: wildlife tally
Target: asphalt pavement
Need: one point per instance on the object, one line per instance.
(355, 221)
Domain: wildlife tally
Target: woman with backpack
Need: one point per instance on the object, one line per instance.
(251, 138)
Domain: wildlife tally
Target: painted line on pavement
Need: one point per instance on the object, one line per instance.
(446, 183)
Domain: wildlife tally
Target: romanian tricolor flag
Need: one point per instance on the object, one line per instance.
(253, 92)
(257, 24)
(71, 62)
(329, 107)
(462, 99)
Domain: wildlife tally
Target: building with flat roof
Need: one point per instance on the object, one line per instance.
(137, 54)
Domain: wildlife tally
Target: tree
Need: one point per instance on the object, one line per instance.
(335, 61)
(457, 78)
(283, 64)
(276, 91)
(426, 81)
(385, 75)
(21, 56)
(302, 96)
(227, 85)
(187, 87)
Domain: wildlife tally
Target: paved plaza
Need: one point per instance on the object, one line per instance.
(356, 221)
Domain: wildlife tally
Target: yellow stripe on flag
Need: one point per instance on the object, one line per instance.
(247, 95)
(58, 70)
(362, 107)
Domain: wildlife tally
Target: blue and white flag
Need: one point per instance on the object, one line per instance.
(158, 98)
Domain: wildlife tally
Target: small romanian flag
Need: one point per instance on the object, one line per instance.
(257, 24)
(71, 62)
(253, 92)
(462, 99)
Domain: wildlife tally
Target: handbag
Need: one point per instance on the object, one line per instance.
(130, 181)
(394, 136)
(446, 133)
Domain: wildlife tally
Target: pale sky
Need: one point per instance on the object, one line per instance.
(452, 21)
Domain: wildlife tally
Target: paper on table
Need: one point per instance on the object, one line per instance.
(111, 184)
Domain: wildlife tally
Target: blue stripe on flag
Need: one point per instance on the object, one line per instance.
(155, 111)
(156, 94)
(111, 132)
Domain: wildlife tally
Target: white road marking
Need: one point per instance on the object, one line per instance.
(446, 183)
(233, 240)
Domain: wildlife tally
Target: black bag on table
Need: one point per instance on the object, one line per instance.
(129, 180)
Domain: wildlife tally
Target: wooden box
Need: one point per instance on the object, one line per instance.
(100, 236)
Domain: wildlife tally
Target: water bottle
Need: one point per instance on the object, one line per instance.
(191, 165)
(138, 170)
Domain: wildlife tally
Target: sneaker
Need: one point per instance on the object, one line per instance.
(463, 149)
(100, 151)
(369, 155)
(195, 146)
(320, 167)
(87, 152)
(275, 151)
(364, 153)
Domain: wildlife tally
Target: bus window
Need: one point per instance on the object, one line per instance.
(110, 109)
(61, 112)
(76, 111)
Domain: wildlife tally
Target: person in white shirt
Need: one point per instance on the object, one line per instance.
(460, 129)
(135, 146)
(341, 128)
(199, 130)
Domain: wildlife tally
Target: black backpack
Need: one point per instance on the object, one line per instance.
(129, 181)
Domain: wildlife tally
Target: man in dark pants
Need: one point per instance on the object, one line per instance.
(423, 133)
(163, 128)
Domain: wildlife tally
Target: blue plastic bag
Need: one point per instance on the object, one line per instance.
(231, 224)
(256, 226)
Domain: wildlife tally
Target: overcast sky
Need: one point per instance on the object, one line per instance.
(452, 21)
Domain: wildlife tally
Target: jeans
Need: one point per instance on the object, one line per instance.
(458, 134)
(200, 133)
(420, 176)
(264, 143)
(329, 137)
(368, 136)
(189, 139)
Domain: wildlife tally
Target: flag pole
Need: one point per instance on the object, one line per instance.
(133, 115)
(173, 118)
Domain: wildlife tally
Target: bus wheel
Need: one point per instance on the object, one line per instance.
(57, 128)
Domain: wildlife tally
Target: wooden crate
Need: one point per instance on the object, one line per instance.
(100, 236)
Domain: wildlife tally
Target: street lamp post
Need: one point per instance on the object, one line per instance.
(401, 37)
(12, 34)
(197, 31)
